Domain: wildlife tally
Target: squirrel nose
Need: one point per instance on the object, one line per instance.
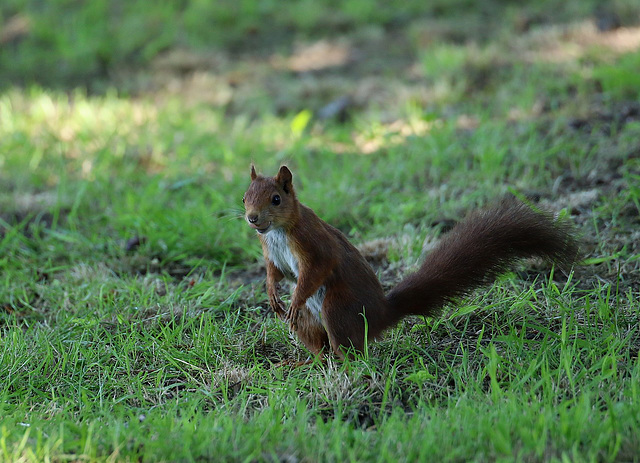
(253, 218)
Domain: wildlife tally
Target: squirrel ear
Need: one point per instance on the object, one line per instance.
(253, 172)
(284, 178)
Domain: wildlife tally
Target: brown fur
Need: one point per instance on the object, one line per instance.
(477, 250)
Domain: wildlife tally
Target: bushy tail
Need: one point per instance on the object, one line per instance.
(476, 251)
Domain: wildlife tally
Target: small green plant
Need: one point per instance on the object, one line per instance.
(620, 80)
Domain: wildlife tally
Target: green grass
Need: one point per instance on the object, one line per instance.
(61, 42)
(166, 351)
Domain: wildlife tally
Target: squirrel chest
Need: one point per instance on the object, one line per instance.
(285, 260)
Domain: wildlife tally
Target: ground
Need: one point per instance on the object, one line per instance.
(132, 299)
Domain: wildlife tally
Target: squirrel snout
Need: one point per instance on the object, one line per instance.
(252, 218)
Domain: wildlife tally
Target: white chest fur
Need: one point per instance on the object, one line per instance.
(282, 257)
(280, 253)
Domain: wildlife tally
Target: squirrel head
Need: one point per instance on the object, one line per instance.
(270, 202)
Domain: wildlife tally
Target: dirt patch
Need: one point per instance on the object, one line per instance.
(607, 120)
(601, 204)
(29, 212)
(26, 222)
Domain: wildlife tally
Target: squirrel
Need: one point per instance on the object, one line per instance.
(338, 302)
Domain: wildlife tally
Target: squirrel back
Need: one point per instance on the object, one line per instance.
(338, 302)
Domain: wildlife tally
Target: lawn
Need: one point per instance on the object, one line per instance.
(134, 322)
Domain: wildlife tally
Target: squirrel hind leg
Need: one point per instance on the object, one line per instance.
(352, 319)
(345, 327)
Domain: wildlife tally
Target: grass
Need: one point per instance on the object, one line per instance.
(133, 317)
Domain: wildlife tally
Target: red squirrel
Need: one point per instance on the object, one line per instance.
(336, 289)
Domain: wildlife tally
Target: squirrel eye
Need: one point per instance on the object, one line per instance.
(242, 199)
(275, 200)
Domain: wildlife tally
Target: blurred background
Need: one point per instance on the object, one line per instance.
(224, 46)
(216, 51)
(126, 119)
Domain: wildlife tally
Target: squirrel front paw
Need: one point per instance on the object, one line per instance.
(277, 306)
(292, 317)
